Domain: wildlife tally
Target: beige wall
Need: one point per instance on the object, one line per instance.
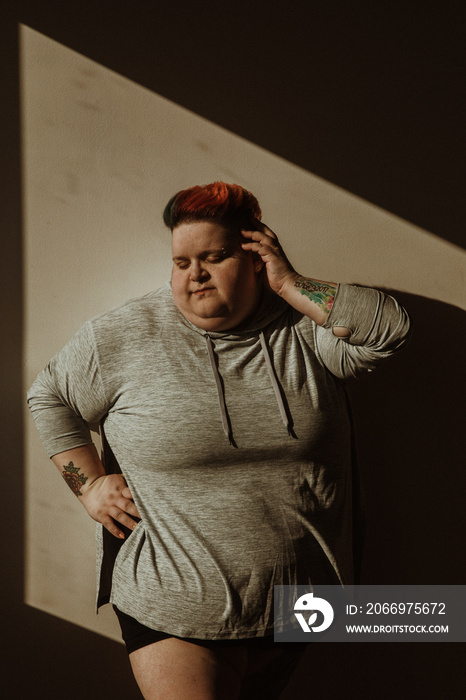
(101, 156)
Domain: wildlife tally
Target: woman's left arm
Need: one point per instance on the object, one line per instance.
(312, 297)
(357, 327)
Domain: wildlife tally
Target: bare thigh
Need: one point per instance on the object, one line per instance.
(173, 669)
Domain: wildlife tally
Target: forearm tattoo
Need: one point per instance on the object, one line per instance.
(73, 478)
(320, 293)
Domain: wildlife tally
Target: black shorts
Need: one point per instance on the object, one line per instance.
(135, 635)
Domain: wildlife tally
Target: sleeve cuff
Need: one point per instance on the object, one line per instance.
(357, 309)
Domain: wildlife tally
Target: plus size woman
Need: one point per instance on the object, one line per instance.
(227, 461)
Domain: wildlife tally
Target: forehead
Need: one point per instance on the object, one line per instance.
(199, 236)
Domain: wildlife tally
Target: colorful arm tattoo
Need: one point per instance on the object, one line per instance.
(73, 478)
(320, 293)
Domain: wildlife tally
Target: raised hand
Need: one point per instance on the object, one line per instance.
(310, 296)
(264, 242)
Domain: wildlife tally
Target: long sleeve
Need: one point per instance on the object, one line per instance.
(68, 395)
(379, 328)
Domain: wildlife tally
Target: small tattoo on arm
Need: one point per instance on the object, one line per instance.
(321, 294)
(73, 478)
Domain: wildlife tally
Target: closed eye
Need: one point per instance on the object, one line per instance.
(184, 263)
(216, 258)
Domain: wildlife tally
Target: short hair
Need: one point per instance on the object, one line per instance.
(228, 205)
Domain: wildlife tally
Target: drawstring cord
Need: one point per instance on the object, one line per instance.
(221, 394)
(275, 385)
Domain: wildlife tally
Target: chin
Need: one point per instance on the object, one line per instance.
(212, 324)
(212, 319)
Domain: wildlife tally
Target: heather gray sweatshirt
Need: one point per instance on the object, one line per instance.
(236, 446)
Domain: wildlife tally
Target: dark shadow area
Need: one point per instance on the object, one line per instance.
(366, 95)
(373, 104)
(45, 657)
(379, 672)
(409, 419)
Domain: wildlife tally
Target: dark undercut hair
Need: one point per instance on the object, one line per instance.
(229, 205)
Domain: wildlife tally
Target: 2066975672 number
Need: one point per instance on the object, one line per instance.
(405, 608)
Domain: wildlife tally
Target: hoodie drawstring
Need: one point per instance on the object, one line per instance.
(221, 394)
(275, 384)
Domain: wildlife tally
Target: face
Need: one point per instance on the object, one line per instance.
(215, 283)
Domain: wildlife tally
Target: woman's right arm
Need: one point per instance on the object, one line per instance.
(106, 497)
(66, 397)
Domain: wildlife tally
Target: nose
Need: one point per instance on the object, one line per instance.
(197, 272)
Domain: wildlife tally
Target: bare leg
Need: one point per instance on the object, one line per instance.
(173, 669)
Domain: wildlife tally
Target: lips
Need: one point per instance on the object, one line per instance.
(200, 292)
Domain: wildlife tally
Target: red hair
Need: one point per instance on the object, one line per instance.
(230, 205)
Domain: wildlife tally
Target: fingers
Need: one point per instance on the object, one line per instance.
(118, 516)
(263, 228)
(261, 233)
(265, 244)
(113, 529)
(128, 507)
(121, 517)
(126, 493)
(261, 242)
(110, 502)
(124, 501)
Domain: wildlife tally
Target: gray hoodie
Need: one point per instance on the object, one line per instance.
(236, 446)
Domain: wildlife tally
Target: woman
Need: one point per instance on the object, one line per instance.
(227, 445)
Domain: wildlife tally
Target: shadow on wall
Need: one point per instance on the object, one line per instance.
(408, 417)
(411, 452)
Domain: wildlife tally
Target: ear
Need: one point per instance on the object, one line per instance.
(257, 262)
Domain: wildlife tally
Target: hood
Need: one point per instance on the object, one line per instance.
(271, 307)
